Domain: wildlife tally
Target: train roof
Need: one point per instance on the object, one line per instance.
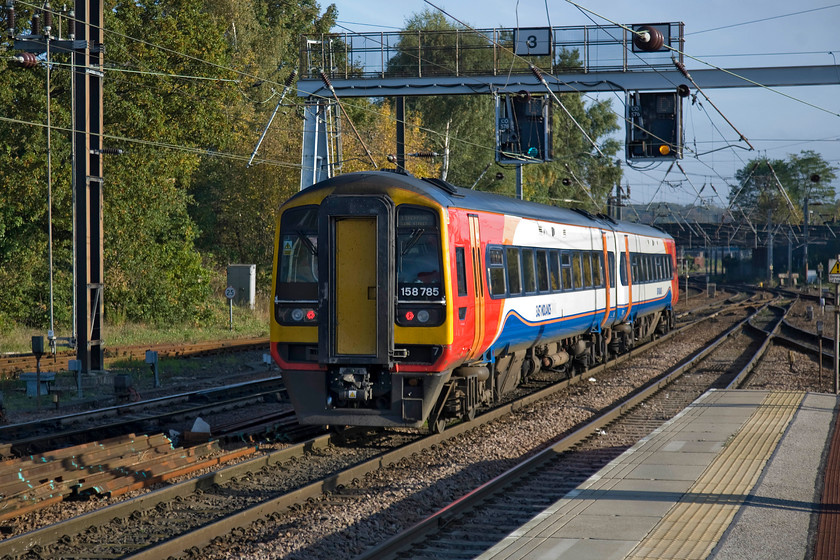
(448, 195)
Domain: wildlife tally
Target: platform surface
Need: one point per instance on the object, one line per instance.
(735, 475)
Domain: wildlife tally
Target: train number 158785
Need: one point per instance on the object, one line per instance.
(419, 291)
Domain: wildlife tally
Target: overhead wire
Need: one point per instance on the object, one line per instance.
(240, 72)
(763, 19)
(687, 75)
(715, 67)
(178, 147)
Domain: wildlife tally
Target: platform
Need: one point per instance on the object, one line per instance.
(735, 475)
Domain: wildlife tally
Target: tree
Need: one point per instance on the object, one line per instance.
(183, 88)
(780, 187)
(24, 225)
(236, 205)
(380, 131)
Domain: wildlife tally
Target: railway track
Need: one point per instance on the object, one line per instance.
(475, 522)
(243, 494)
(144, 417)
(13, 364)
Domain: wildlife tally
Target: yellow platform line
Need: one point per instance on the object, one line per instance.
(692, 528)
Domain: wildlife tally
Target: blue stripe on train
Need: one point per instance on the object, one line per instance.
(518, 330)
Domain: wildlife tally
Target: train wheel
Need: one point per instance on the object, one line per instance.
(469, 415)
(438, 426)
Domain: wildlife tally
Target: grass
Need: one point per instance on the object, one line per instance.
(247, 323)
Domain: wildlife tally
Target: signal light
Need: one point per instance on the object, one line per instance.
(409, 315)
(310, 315)
(654, 125)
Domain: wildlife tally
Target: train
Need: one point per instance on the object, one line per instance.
(408, 302)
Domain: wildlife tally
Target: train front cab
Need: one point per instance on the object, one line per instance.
(349, 355)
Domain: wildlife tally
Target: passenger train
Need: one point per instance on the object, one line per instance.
(401, 301)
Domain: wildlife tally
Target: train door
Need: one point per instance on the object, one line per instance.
(356, 286)
(477, 291)
(625, 291)
(607, 277)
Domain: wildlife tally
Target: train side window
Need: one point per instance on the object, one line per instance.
(587, 269)
(634, 268)
(648, 268)
(611, 264)
(597, 276)
(577, 271)
(528, 274)
(496, 261)
(513, 272)
(542, 270)
(554, 265)
(566, 270)
(623, 266)
(661, 267)
(461, 266)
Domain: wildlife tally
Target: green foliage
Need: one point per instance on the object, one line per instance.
(778, 188)
(160, 264)
(24, 222)
(236, 205)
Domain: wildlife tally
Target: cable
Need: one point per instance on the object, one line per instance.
(762, 19)
(683, 53)
(188, 149)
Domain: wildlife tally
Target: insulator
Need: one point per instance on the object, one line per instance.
(36, 24)
(10, 18)
(536, 72)
(500, 176)
(681, 67)
(392, 158)
(107, 152)
(326, 80)
(26, 60)
(648, 38)
(424, 154)
(48, 18)
(683, 90)
(291, 78)
(566, 181)
(815, 178)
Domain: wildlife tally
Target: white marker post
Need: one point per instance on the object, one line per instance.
(230, 293)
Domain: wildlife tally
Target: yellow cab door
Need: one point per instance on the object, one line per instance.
(356, 252)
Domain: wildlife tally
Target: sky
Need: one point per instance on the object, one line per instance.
(724, 33)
